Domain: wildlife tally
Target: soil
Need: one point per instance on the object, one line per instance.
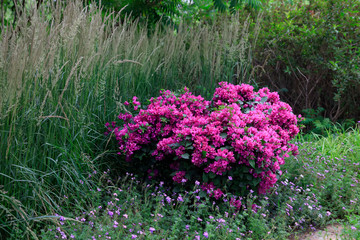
(331, 232)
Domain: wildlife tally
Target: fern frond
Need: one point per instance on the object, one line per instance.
(255, 4)
(233, 4)
(220, 5)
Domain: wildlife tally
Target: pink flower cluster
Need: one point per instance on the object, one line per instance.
(239, 127)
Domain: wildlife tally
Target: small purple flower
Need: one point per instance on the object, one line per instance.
(180, 199)
(110, 213)
(197, 237)
(353, 228)
(328, 213)
(125, 216)
(62, 218)
(206, 234)
(151, 229)
(197, 183)
(230, 178)
(187, 227)
(133, 236)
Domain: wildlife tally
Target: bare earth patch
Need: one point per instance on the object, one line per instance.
(331, 232)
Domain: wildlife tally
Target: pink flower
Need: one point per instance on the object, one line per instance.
(179, 177)
(239, 127)
(218, 193)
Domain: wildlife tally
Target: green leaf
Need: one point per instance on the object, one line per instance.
(204, 154)
(202, 194)
(217, 181)
(174, 145)
(252, 163)
(233, 4)
(226, 147)
(205, 177)
(223, 135)
(212, 175)
(220, 5)
(255, 181)
(263, 99)
(185, 156)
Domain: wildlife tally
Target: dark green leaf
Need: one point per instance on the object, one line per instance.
(255, 181)
(205, 177)
(211, 175)
(223, 135)
(252, 163)
(185, 156)
(217, 181)
(219, 4)
(202, 194)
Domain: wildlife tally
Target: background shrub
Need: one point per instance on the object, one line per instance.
(309, 53)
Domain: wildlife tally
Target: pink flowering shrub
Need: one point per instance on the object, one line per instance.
(232, 144)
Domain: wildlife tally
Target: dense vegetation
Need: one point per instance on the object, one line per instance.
(67, 67)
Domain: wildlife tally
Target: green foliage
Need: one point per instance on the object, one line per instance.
(147, 11)
(309, 52)
(352, 226)
(315, 122)
(232, 5)
(63, 72)
(297, 203)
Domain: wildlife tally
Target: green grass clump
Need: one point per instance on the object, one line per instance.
(64, 70)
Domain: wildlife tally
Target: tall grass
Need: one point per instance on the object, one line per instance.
(65, 69)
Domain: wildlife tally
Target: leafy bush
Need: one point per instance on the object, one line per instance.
(235, 142)
(309, 51)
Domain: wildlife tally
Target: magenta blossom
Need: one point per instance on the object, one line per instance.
(238, 129)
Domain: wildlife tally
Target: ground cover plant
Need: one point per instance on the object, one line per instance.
(130, 209)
